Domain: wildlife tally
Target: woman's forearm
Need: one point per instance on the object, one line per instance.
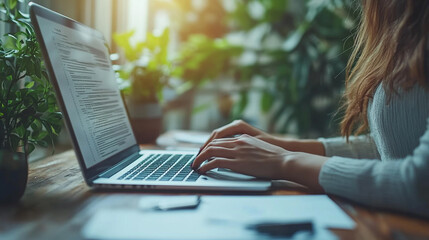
(295, 145)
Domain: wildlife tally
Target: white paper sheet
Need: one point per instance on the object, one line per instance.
(249, 209)
(218, 217)
(196, 138)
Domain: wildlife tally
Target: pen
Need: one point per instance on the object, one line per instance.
(277, 229)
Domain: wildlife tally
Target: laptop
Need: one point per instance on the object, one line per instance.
(79, 67)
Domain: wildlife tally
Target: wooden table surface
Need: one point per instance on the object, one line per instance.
(57, 203)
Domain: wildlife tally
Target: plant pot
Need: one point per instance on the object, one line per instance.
(146, 120)
(13, 176)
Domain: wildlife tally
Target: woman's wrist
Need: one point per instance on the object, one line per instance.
(303, 168)
(305, 146)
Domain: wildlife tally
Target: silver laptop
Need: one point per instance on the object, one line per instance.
(80, 70)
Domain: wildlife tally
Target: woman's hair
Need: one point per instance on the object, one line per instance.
(390, 49)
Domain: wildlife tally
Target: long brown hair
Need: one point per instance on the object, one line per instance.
(389, 49)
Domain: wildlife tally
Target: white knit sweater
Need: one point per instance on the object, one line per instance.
(389, 168)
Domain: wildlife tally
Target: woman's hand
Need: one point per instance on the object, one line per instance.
(239, 127)
(252, 156)
(243, 154)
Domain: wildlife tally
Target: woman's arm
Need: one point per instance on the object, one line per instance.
(357, 147)
(401, 184)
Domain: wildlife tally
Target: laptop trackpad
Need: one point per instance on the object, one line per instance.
(226, 174)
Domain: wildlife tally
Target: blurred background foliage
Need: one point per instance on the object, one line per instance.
(290, 55)
(304, 74)
(146, 70)
(292, 52)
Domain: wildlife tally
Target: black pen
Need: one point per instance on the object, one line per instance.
(279, 229)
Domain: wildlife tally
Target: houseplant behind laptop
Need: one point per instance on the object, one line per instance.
(28, 111)
(143, 77)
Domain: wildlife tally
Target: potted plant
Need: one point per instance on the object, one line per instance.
(142, 78)
(28, 110)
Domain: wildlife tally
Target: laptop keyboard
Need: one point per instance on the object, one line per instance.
(163, 167)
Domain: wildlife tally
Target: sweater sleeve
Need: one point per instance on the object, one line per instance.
(401, 185)
(360, 147)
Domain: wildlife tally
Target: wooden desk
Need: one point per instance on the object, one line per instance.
(57, 203)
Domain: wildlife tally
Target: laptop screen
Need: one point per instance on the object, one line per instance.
(82, 68)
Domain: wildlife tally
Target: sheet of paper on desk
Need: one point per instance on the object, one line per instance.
(127, 224)
(197, 138)
(218, 217)
(249, 209)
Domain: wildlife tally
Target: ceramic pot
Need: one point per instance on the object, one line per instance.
(146, 120)
(13, 175)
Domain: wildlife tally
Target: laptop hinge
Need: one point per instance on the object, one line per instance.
(119, 166)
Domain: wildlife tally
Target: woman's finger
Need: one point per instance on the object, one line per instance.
(216, 163)
(234, 128)
(222, 142)
(227, 130)
(211, 152)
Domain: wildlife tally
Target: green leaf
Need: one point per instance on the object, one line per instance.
(20, 131)
(267, 101)
(123, 41)
(30, 148)
(42, 107)
(29, 84)
(41, 135)
(12, 3)
(295, 38)
(56, 129)
(10, 42)
(241, 105)
(201, 108)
